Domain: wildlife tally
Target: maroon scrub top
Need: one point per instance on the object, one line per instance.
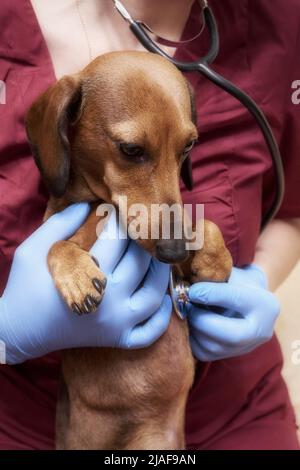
(242, 403)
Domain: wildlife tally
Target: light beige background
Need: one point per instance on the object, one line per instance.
(288, 330)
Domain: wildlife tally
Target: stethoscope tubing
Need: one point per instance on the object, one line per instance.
(178, 289)
(266, 130)
(203, 68)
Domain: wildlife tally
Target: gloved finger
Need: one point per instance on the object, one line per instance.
(58, 227)
(198, 352)
(205, 353)
(248, 275)
(217, 350)
(149, 297)
(110, 245)
(229, 331)
(143, 335)
(210, 346)
(234, 297)
(257, 274)
(132, 267)
(236, 275)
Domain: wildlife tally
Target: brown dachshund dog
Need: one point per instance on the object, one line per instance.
(122, 126)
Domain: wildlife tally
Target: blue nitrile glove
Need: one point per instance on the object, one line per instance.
(34, 320)
(234, 317)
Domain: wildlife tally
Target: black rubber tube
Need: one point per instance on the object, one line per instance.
(203, 68)
(266, 130)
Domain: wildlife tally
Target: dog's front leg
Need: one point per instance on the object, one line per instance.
(76, 273)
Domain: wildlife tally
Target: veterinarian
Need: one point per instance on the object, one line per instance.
(243, 402)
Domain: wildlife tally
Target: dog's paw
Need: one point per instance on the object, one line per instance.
(77, 276)
(213, 262)
(213, 268)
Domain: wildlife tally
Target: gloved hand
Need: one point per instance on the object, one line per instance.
(232, 318)
(34, 320)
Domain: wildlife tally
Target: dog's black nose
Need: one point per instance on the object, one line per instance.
(171, 251)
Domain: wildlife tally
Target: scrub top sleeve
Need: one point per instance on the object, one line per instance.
(290, 144)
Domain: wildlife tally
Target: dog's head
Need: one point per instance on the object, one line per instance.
(124, 126)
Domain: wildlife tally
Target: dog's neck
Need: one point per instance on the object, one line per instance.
(166, 18)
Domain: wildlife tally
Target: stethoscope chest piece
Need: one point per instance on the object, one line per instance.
(179, 291)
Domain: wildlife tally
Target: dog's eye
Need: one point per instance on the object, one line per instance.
(189, 147)
(131, 150)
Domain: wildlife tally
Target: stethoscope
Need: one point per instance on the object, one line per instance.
(178, 288)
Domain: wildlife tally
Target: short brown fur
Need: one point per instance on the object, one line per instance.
(113, 398)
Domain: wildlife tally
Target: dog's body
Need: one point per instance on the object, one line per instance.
(121, 127)
(127, 399)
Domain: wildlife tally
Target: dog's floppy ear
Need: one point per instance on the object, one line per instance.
(47, 125)
(186, 169)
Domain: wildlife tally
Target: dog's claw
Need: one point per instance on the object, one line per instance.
(97, 301)
(81, 282)
(95, 261)
(99, 285)
(89, 305)
(76, 309)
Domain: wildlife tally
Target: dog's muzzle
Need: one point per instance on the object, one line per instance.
(171, 251)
